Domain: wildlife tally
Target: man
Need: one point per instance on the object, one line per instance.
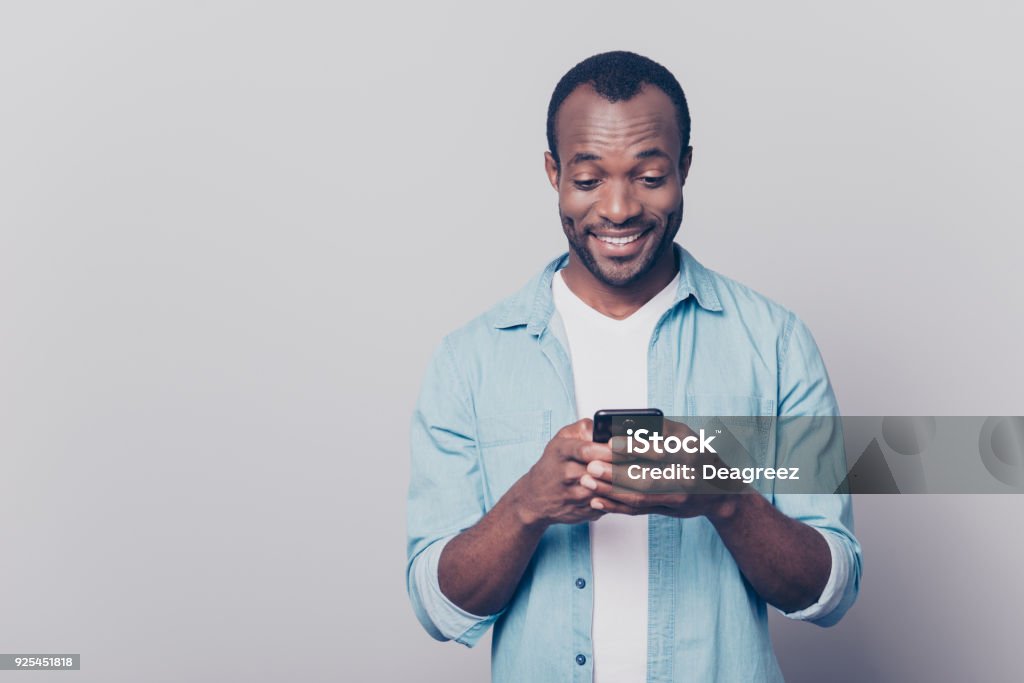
(513, 521)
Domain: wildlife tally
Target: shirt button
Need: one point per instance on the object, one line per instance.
(580, 583)
(581, 660)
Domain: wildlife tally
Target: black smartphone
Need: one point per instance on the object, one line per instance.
(609, 423)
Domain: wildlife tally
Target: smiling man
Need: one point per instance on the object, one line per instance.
(513, 521)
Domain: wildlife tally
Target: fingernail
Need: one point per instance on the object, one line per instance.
(595, 503)
(597, 468)
(618, 444)
(588, 481)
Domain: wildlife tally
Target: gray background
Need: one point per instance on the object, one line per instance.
(232, 233)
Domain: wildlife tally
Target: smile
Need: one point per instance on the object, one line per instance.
(620, 240)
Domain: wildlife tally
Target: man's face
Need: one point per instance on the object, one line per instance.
(620, 183)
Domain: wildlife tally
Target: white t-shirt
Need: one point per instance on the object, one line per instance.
(609, 367)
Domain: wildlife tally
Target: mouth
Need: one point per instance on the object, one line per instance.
(619, 240)
(620, 245)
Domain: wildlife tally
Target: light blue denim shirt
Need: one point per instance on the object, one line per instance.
(499, 388)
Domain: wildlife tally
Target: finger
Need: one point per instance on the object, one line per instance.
(606, 505)
(603, 477)
(638, 498)
(676, 428)
(596, 485)
(572, 472)
(599, 487)
(581, 429)
(568, 448)
(579, 494)
(588, 482)
(600, 469)
(591, 451)
(603, 488)
(599, 477)
(569, 445)
(613, 507)
(620, 448)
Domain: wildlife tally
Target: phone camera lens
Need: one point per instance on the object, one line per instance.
(628, 424)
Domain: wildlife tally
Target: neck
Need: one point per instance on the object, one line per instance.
(622, 301)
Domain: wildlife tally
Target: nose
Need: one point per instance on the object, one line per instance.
(618, 205)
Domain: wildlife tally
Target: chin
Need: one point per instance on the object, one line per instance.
(618, 277)
(623, 274)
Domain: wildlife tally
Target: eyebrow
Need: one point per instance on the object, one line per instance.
(650, 153)
(580, 157)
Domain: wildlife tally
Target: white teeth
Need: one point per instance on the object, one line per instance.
(618, 240)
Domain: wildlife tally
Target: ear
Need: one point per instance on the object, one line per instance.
(684, 165)
(551, 168)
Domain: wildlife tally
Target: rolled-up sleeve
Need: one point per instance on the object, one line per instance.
(823, 612)
(805, 390)
(445, 496)
(443, 619)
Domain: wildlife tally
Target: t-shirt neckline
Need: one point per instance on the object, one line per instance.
(654, 306)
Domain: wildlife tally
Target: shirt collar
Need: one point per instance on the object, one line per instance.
(533, 305)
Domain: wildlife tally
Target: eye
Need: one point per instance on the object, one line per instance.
(586, 184)
(652, 181)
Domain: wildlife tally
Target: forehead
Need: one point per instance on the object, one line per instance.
(588, 122)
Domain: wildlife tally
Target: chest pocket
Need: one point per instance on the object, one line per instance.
(744, 426)
(510, 443)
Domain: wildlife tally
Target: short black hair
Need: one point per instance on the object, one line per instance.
(618, 76)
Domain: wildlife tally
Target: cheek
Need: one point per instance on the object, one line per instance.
(665, 200)
(575, 205)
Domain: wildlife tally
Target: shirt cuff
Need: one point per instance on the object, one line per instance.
(834, 589)
(450, 621)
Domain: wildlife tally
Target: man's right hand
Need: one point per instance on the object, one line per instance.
(480, 568)
(551, 493)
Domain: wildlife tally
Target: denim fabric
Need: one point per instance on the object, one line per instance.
(498, 389)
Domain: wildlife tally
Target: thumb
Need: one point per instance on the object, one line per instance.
(584, 429)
